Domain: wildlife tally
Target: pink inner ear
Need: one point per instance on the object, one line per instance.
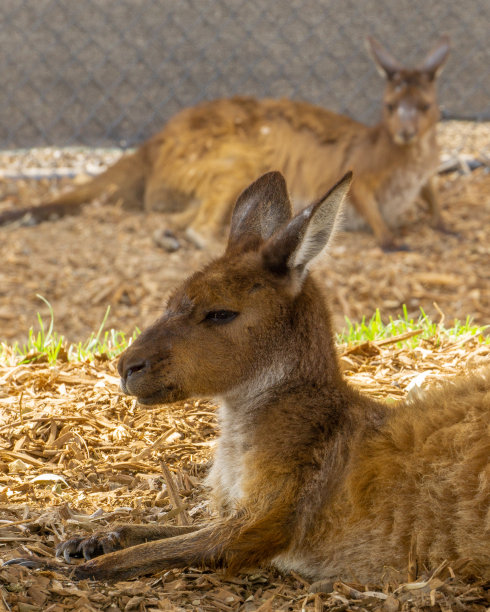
(260, 210)
(436, 58)
(308, 233)
(383, 58)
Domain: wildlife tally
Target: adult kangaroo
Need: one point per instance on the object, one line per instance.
(206, 155)
(309, 474)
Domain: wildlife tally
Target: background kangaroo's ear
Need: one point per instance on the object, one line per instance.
(259, 211)
(386, 64)
(294, 246)
(436, 58)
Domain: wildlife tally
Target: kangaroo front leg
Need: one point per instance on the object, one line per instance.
(234, 543)
(429, 194)
(122, 536)
(366, 204)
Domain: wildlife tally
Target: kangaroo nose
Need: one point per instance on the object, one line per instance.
(408, 135)
(128, 367)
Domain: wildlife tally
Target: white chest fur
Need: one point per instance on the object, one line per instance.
(226, 475)
(397, 193)
(237, 414)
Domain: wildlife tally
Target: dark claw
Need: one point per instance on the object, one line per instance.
(167, 240)
(88, 548)
(33, 563)
(92, 547)
(70, 549)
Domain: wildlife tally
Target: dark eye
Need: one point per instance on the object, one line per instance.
(220, 316)
(424, 107)
(390, 107)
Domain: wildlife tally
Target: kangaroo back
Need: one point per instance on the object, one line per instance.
(206, 155)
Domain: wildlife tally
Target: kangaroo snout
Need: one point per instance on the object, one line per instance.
(142, 370)
(405, 137)
(130, 367)
(134, 369)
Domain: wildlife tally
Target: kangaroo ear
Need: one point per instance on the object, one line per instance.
(436, 58)
(259, 211)
(386, 64)
(295, 245)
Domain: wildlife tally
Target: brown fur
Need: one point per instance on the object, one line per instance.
(205, 156)
(308, 474)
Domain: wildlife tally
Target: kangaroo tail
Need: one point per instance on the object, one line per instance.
(123, 180)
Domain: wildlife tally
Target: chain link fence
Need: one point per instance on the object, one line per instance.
(111, 72)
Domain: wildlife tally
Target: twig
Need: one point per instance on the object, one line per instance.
(377, 343)
(4, 607)
(182, 516)
(399, 338)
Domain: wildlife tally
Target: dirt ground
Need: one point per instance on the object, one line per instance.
(107, 256)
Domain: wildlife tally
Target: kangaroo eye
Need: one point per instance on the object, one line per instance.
(390, 107)
(220, 316)
(424, 107)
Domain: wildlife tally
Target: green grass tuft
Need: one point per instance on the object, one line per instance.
(48, 346)
(375, 329)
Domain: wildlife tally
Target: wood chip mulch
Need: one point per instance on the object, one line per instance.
(107, 256)
(77, 456)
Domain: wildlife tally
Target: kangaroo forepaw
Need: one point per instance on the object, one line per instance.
(167, 240)
(93, 546)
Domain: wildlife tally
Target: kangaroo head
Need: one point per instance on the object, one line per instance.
(410, 101)
(238, 319)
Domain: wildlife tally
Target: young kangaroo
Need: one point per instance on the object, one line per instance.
(206, 155)
(309, 474)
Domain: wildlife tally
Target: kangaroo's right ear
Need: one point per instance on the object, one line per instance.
(295, 245)
(386, 64)
(259, 211)
(436, 58)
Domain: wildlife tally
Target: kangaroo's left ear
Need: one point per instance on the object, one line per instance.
(259, 211)
(436, 58)
(295, 245)
(385, 63)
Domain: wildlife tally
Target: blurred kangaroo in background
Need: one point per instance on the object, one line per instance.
(308, 474)
(206, 155)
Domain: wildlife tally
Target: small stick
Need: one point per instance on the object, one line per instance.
(182, 516)
(399, 338)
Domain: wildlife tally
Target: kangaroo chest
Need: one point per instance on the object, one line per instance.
(397, 195)
(396, 192)
(227, 473)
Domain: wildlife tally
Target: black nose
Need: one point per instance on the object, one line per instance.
(128, 367)
(408, 134)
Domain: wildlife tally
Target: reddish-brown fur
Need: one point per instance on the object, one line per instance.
(205, 156)
(308, 474)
